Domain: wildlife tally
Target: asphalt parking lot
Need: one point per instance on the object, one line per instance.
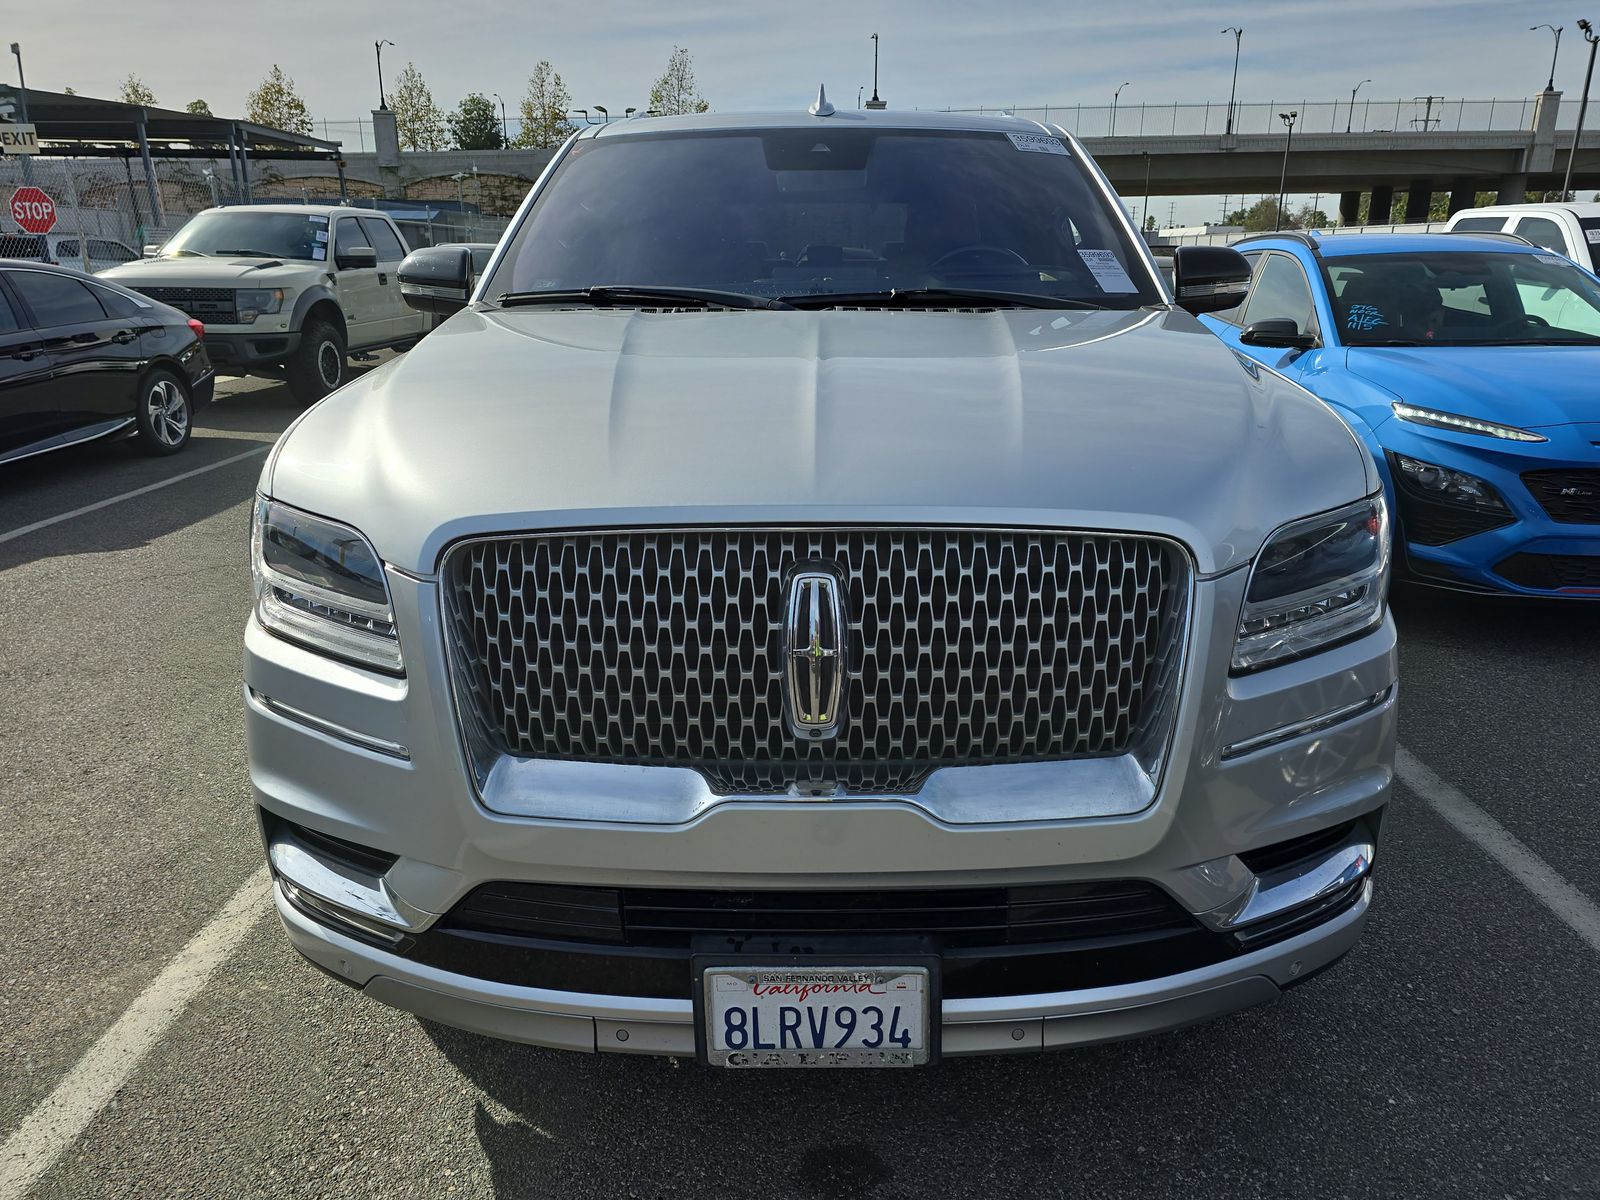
(1456, 1052)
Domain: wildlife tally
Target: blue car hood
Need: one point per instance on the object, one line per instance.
(1526, 386)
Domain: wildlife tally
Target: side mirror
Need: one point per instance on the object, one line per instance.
(1278, 332)
(437, 279)
(151, 250)
(1209, 278)
(354, 257)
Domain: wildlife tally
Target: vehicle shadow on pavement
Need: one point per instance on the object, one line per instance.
(1505, 623)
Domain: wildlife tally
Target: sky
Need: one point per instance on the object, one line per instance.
(760, 54)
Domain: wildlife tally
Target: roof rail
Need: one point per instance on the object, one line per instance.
(1293, 235)
(1496, 234)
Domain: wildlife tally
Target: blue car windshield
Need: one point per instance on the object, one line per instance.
(827, 210)
(1451, 297)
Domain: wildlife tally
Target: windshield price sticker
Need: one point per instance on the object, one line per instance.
(1555, 260)
(1107, 271)
(322, 235)
(319, 252)
(1038, 143)
(316, 220)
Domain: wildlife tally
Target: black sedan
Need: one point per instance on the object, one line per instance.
(82, 358)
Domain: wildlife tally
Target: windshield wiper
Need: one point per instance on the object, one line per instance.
(1555, 341)
(247, 253)
(938, 297)
(1399, 342)
(628, 295)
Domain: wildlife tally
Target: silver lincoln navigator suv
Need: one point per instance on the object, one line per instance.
(822, 600)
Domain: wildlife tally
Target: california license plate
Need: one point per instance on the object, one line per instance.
(816, 1016)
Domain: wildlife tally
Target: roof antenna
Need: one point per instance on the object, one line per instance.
(820, 107)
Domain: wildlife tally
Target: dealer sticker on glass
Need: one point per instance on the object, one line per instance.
(816, 1016)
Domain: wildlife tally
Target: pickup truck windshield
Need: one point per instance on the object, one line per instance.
(1447, 297)
(239, 231)
(806, 214)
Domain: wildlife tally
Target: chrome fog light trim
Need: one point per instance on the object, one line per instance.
(343, 733)
(1295, 729)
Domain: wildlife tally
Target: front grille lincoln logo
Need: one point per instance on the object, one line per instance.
(814, 653)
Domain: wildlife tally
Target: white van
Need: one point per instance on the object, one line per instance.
(1569, 229)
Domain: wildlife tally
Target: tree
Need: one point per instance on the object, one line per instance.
(676, 92)
(1310, 218)
(544, 109)
(199, 108)
(417, 118)
(276, 104)
(1260, 217)
(475, 125)
(136, 91)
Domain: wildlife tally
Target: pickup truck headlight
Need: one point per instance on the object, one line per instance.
(320, 584)
(257, 302)
(1316, 581)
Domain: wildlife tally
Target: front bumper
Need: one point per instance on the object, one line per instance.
(241, 353)
(1254, 761)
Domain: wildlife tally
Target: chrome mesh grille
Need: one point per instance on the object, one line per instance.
(665, 648)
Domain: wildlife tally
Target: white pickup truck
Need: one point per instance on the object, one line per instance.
(285, 289)
(1569, 229)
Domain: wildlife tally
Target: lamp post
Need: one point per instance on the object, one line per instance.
(505, 129)
(1592, 38)
(1114, 97)
(1233, 91)
(860, 91)
(875, 102)
(1145, 219)
(1288, 119)
(22, 99)
(601, 109)
(1555, 29)
(1351, 115)
(461, 201)
(378, 46)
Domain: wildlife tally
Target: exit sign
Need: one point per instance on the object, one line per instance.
(19, 139)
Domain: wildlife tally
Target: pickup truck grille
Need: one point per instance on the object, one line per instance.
(665, 648)
(213, 305)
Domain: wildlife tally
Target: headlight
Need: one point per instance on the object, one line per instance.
(1315, 582)
(1444, 420)
(1444, 484)
(255, 302)
(320, 584)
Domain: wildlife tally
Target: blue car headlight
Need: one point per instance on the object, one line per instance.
(1317, 581)
(1445, 485)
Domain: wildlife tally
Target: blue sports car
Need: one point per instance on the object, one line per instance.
(1470, 367)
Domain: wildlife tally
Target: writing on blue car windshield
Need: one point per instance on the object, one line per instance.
(805, 214)
(1463, 298)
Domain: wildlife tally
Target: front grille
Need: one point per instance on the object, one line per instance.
(1571, 497)
(214, 305)
(665, 648)
(1551, 572)
(672, 918)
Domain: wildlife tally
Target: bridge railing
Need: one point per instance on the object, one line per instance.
(1315, 116)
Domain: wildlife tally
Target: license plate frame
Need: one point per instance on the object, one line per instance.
(702, 967)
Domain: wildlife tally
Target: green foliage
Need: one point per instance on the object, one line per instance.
(475, 125)
(136, 91)
(677, 92)
(199, 108)
(544, 109)
(417, 118)
(276, 104)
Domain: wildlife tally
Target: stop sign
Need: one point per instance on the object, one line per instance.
(34, 211)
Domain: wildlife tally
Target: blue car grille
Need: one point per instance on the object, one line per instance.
(1552, 572)
(1571, 497)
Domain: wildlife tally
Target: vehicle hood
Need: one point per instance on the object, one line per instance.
(192, 271)
(1526, 386)
(537, 419)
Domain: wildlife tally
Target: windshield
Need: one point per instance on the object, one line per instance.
(1463, 298)
(826, 211)
(1591, 238)
(237, 231)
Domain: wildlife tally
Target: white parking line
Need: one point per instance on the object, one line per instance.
(55, 1123)
(24, 530)
(1576, 910)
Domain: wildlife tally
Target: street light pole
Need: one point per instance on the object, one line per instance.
(22, 98)
(1351, 115)
(1593, 39)
(378, 46)
(1145, 219)
(875, 103)
(1114, 97)
(1288, 119)
(505, 130)
(1555, 29)
(1233, 91)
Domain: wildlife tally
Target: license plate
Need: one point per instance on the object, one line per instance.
(816, 1016)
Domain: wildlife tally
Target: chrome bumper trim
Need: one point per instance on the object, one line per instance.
(1276, 893)
(1287, 733)
(365, 741)
(340, 891)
